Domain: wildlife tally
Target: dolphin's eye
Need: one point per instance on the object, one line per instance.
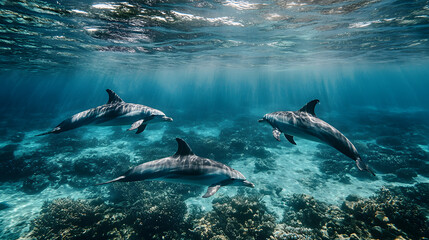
(233, 179)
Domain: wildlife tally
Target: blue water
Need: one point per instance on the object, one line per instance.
(215, 67)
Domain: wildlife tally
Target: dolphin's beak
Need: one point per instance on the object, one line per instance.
(248, 184)
(168, 119)
(261, 120)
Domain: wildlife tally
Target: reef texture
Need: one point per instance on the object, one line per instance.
(155, 215)
(235, 218)
(390, 214)
(387, 215)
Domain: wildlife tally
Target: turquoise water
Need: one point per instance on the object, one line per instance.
(215, 67)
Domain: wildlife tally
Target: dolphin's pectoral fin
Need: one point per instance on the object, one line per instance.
(309, 107)
(113, 97)
(135, 125)
(139, 125)
(290, 139)
(141, 128)
(211, 190)
(276, 134)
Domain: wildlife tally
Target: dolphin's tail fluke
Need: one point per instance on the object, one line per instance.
(55, 130)
(370, 171)
(46, 133)
(361, 164)
(114, 180)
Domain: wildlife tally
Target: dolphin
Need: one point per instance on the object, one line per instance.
(305, 124)
(186, 167)
(114, 112)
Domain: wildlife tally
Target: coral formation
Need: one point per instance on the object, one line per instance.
(65, 218)
(141, 212)
(235, 218)
(385, 216)
(389, 216)
(156, 215)
(154, 210)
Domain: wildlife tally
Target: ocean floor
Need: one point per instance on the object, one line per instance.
(41, 173)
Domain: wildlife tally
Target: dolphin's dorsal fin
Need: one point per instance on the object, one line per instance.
(309, 107)
(113, 97)
(183, 148)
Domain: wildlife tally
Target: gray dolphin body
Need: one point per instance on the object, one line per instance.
(114, 112)
(186, 167)
(305, 124)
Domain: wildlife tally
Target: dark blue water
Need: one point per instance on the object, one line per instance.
(215, 67)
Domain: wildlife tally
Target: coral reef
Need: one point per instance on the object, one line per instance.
(65, 218)
(285, 232)
(389, 216)
(416, 195)
(385, 216)
(235, 218)
(156, 215)
(156, 210)
(152, 211)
